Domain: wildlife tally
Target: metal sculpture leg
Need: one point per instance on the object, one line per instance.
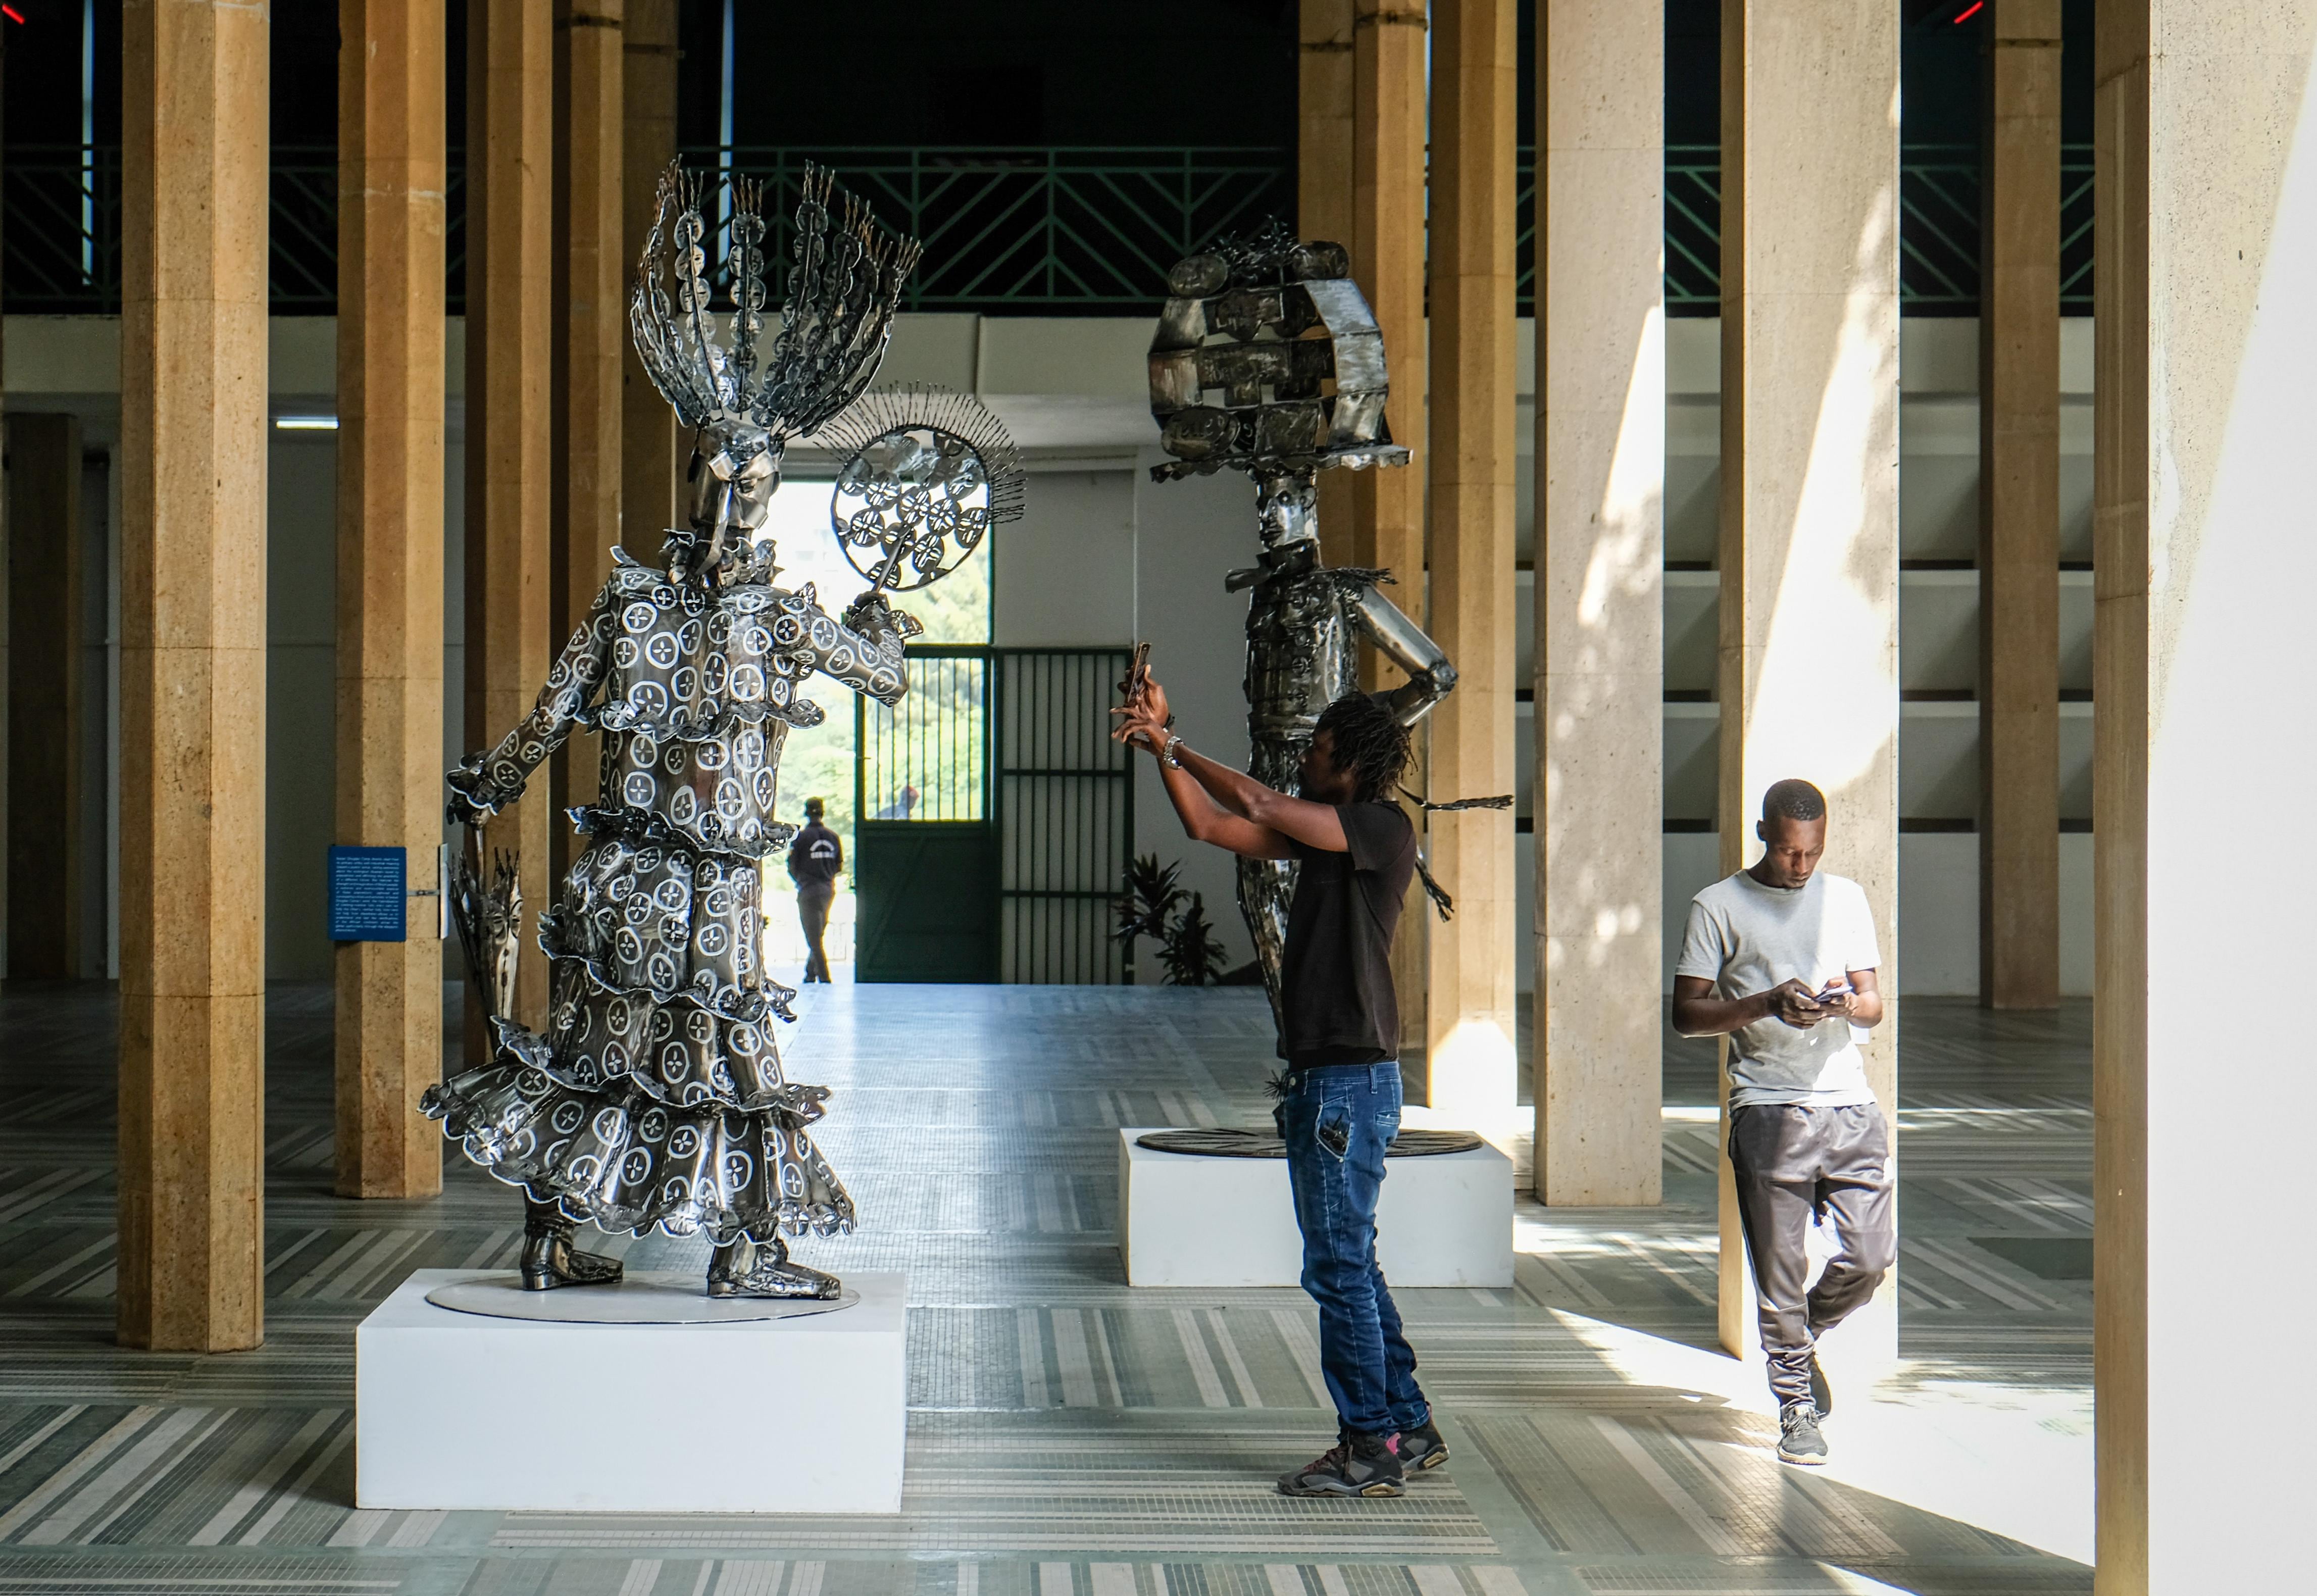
(548, 1258)
(1266, 888)
(762, 1268)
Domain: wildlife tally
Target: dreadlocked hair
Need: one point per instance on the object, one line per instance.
(1368, 741)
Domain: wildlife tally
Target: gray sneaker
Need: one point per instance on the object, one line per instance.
(1357, 1466)
(1799, 1439)
(1422, 1447)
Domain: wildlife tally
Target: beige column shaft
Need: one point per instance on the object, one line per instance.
(44, 699)
(1600, 624)
(1470, 1043)
(2204, 120)
(389, 655)
(193, 675)
(1325, 123)
(1808, 678)
(2019, 511)
(1387, 506)
(651, 455)
(591, 327)
(510, 324)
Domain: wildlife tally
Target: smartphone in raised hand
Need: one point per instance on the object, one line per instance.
(1138, 674)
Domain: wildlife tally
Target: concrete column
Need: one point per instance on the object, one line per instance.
(193, 675)
(2019, 511)
(1388, 138)
(1600, 622)
(2205, 118)
(651, 455)
(1324, 97)
(510, 324)
(44, 698)
(1809, 480)
(1470, 1043)
(389, 688)
(591, 332)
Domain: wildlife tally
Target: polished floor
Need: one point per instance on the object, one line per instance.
(1069, 1436)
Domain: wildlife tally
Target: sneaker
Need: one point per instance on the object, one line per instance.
(1357, 1466)
(1799, 1440)
(1821, 1393)
(1422, 1446)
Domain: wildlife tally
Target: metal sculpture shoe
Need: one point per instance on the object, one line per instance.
(1799, 1437)
(1355, 1465)
(550, 1260)
(1422, 1447)
(770, 1274)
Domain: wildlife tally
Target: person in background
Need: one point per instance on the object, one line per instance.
(816, 859)
(1781, 959)
(1339, 1034)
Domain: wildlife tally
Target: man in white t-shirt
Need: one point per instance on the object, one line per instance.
(1781, 959)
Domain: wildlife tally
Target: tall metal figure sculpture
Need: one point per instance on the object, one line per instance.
(1268, 360)
(656, 1098)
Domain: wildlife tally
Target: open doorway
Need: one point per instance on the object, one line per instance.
(823, 761)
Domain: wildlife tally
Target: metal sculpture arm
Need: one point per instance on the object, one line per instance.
(1430, 676)
(481, 784)
(865, 650)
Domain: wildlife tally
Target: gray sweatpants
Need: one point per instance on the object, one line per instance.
(1796, 1164)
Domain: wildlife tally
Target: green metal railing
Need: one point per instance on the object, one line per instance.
(1055, 231)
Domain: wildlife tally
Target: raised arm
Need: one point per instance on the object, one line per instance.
(481, 784)
(1218, 804)
(864, 650)
(1430, 676)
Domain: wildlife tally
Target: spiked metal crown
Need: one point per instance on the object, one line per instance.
(844, 284)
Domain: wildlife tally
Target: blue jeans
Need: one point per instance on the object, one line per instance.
(1338, 1122)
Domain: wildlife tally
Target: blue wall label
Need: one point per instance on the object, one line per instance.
(368, 894)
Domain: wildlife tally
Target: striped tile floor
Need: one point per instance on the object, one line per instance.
(1068, 1434)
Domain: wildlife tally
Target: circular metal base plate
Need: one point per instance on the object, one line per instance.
(1223, 1143)
(644, 1298)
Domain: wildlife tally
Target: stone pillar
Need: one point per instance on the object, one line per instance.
(2019, 511)
(510, 302)
(1600, 623)
(651, 455)
(2207, 207)
(1325, 136)
(1808, 671)
(44, 698)
(1388, 137)
(591, 331)
(389, 688)
(1469, 1049)
(193, 675)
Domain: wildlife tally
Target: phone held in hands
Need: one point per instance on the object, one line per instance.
(1137, 676)
(1838, 989)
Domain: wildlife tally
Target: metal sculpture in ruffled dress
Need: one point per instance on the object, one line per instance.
(1267, 359)
(656, 1097)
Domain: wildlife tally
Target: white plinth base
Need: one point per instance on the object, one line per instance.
(802, 1415)
(1183, 1220)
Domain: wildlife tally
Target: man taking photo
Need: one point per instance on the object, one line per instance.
(1340, 1026)
(1781, 959)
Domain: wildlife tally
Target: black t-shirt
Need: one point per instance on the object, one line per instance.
(1337, 1003)
(816, 856)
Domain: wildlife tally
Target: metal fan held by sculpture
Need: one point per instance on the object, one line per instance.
(653, 1098)
(926, 473)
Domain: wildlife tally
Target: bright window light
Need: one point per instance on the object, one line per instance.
(306, 423)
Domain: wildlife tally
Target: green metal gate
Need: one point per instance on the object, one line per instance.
(1065, 815)
(996, 819)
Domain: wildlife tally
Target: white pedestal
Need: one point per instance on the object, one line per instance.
(1185, 1220)
(802, 1415)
